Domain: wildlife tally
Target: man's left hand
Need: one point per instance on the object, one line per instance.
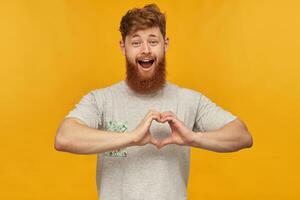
(180, 134)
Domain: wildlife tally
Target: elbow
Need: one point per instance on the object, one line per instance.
(243, 142)
(245, 139)
(60, 143)
(64, 143)
(66, 138)
(248, 141)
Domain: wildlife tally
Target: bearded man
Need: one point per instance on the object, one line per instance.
(142, 128)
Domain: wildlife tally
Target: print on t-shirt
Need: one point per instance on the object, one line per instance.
(117, 127)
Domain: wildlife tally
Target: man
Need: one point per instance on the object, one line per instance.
(142, 128)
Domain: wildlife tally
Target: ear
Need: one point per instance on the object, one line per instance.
(122, 46)
(166, 43)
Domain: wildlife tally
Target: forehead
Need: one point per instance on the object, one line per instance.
(146, 33)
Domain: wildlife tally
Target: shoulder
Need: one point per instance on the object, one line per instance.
(187, 97)
(101, 94)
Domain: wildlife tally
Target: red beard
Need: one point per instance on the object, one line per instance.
(149, 85)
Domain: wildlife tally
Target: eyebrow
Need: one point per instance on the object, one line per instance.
(136, 35)
(152, 35)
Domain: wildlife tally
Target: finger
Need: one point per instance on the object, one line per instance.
(166, 141)
(154, 141)
(145, 124)
(168, 113)
(174, 123)
(153, 116)
(152, 112)
(171, 120)
(167, 118)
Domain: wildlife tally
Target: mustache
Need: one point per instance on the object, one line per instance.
(146, 57)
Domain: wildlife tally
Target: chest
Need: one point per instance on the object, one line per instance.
(129, 112)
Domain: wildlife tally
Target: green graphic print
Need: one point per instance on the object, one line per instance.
(118, 127)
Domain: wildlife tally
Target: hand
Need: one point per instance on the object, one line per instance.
(180, 134)
(142, 134)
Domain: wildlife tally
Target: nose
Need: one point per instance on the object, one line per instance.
(145, 48)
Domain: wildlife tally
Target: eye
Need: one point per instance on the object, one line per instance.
(136, 43)
(153, 42)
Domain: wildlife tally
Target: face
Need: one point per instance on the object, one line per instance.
(144, 51)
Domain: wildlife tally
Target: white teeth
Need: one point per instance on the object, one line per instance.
(146, 60)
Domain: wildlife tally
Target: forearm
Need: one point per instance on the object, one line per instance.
(230, 138)
(80, 139)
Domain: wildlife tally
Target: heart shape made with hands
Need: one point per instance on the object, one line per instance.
(176, 132)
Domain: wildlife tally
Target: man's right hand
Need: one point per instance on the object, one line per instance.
(141, 133)
(76, 137)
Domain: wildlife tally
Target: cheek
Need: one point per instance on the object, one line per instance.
(131, 53)
(160, 53)
(159, 50)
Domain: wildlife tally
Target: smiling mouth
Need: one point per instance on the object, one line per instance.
(146, 64)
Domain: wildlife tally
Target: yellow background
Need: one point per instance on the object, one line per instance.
(244, 55)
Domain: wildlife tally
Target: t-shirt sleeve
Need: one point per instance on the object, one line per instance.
(88, 110)
(210, 116)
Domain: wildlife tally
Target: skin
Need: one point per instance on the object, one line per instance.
(75, 136)
(232, 137)
(145, 43)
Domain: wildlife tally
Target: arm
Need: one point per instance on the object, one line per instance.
(75, 137)
(232, 137)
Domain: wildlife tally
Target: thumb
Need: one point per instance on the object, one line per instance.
(165, 142)
(154, 141)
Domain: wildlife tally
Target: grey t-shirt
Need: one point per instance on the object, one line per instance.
(144, 172)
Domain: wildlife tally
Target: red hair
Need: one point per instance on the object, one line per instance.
(141, 18)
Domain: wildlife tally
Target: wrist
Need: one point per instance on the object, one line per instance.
(132, 139)
(195, 138)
